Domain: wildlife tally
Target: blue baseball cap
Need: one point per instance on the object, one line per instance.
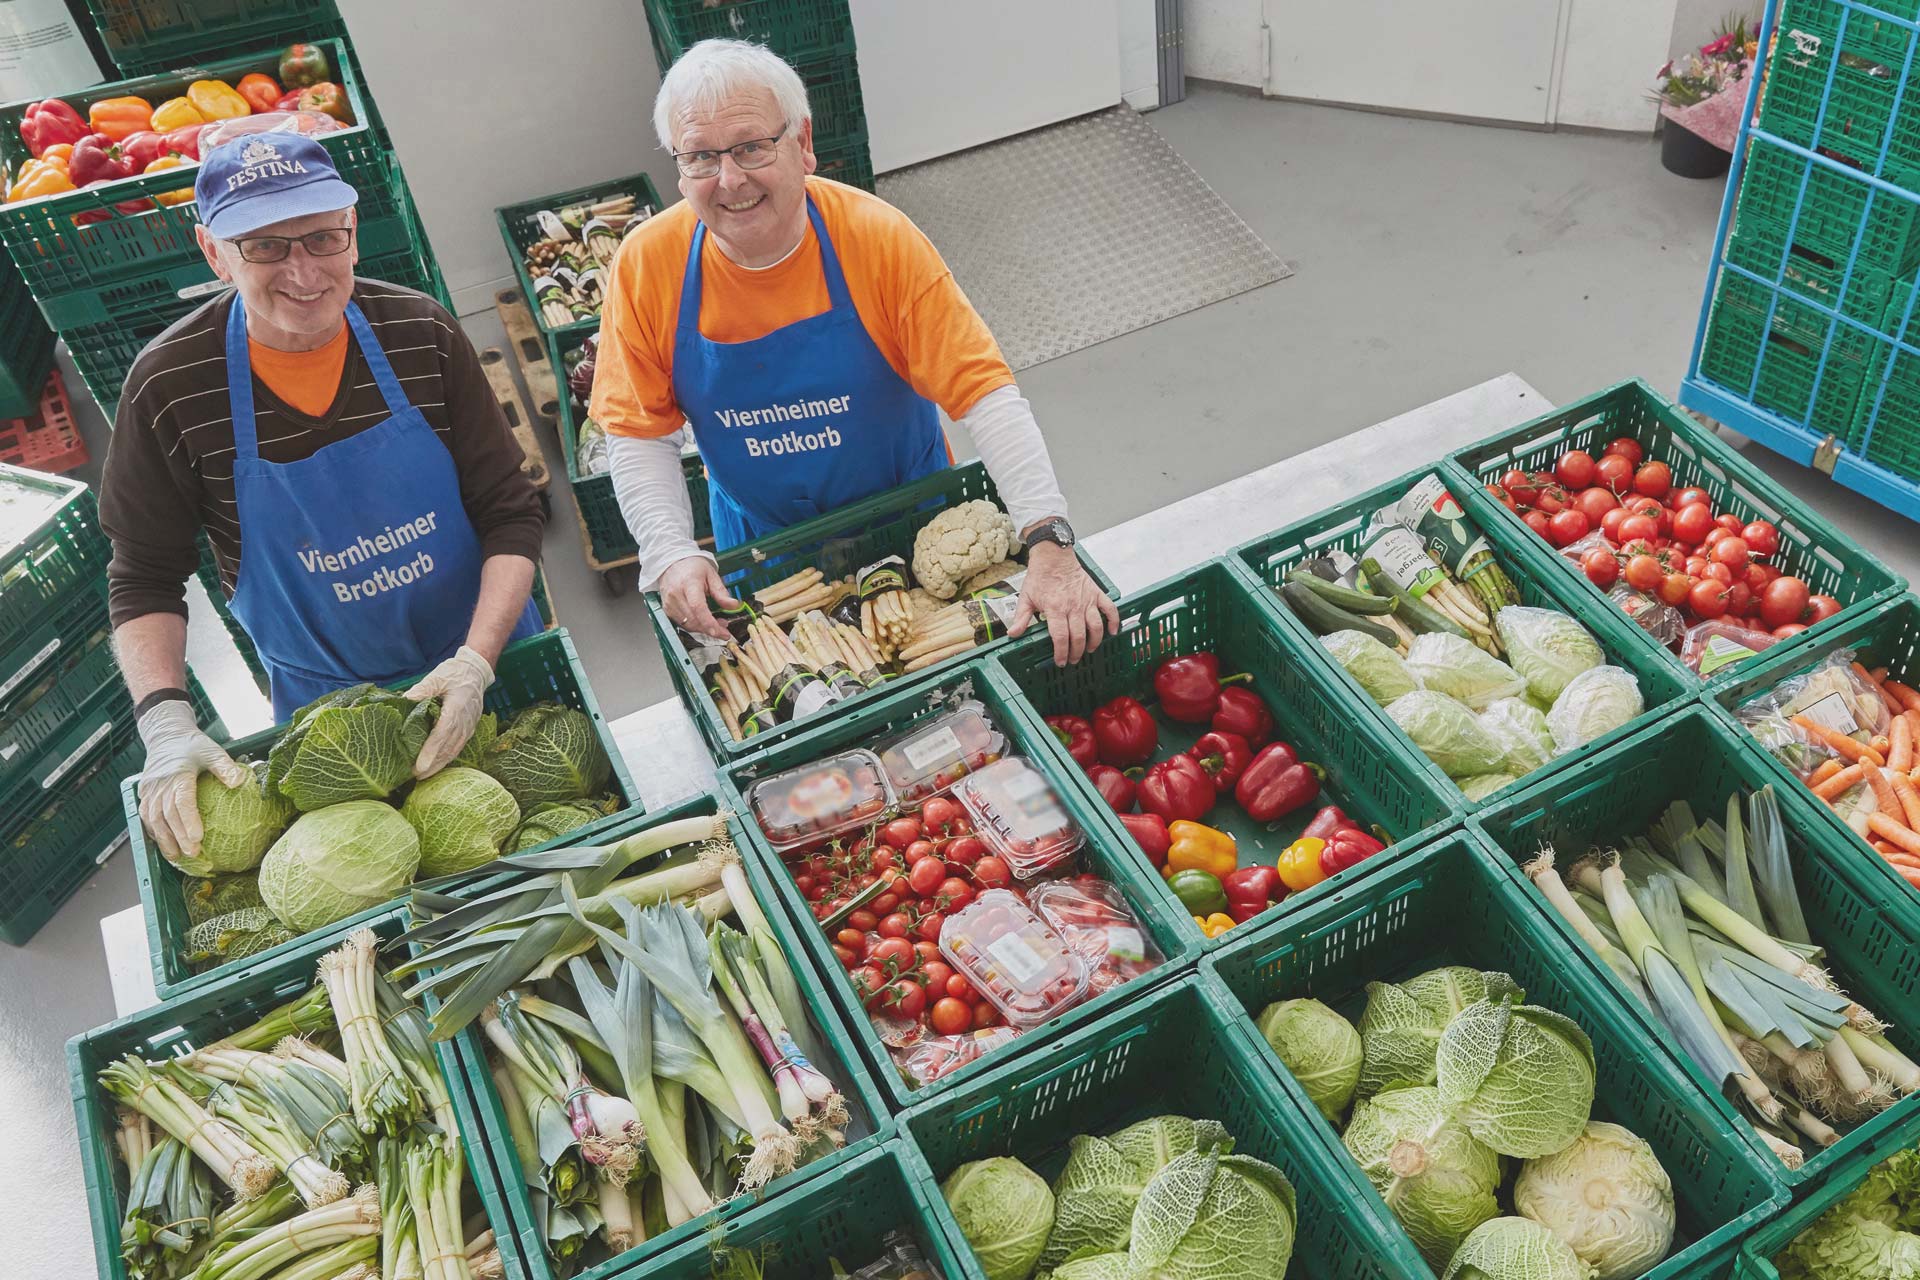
(262, 178)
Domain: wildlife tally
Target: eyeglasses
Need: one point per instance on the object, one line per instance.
(328, 242)
(755, 153)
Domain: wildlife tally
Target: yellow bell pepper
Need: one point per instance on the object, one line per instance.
(172, 160)
(39, 178)
(1214, 925)
(176, 113)
(1299, 863)
(1200, 848)
(60, 153)
(217, 100)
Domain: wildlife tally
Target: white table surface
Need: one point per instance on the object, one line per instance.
(669, 761)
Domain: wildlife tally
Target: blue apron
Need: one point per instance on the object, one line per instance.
(806, 419)
(358, 562)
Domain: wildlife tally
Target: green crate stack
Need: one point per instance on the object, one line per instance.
(209, 574)
(145, 37)
(520, 230)
(1342, 529)
(1172, 1051)
(612, 542)
(1787, 353)
(1872, 954)
(1865, 111)
(1452, 904)
(1838, 210)
(1372, 771)
(816, 36)
(26, 347)
(1886, 420)
(1108, 853)
(1771, 1239)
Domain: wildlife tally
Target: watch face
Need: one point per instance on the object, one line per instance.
(1055, 530)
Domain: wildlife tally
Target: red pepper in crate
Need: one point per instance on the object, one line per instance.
(1116, 788)
(288, 101)
(328, 99)
(1251, 890)
(1277, 783)
(1223, 757)
(98, 158)
(185, 141)
(1241, 711)
(48, 123)
(1149, 831)
(123, 207)
(1076, 735)
(1347, 847)
(1189, 687)
(1124, 733)
(1177, 788)
(143, 148)
(1329, 820)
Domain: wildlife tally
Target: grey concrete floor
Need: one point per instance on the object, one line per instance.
(1428, 256)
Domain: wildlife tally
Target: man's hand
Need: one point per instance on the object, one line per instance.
(1078, 613)
(461, 685)
(177, 752)
(686, 587)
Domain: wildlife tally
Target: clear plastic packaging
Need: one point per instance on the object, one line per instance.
(1016, 812)
(1714, 645)
(1094, 918)
(931, 1057)
(1016, 960)
(307, 122)
(932, 757)
(820, 799)
(1661, 621)
(1832, 695)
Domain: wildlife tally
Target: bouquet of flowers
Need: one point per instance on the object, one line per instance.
(1703, 91)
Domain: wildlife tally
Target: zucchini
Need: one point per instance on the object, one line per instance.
(1323, 618)
(1421, 617)
(1360, 602)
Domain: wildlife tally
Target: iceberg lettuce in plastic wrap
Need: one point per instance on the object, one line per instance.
(1480, 787)
(1447, 733)
(1457, 667)
(1373, 666)
(1594, 703)
(1547, 648)
(1521, 730)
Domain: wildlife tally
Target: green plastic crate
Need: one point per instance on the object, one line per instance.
(542, 668)
(26, 347)
(1886, 636)
(1756, 1255)
(1697, 757)
(1451, 903)
(845, 160)
(1174, 1050)
(1788, 353)
(1808, 273)
(57, 258)
(144, 37)
(1372, 771)
(71, 661)
(1886, 425)
(1867, 37)
(1859, 116)
(1108, 854)
(520, 230)
(1269, 559)
(61, 820)
(794, 29)
(56, 561)
(1830, 562)
(200, 1018)
(839, 543)
(1839, 210)
(481, 1113)
(209, 575)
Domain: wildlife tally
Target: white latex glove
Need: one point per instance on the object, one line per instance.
(461, 685)
(177, 753)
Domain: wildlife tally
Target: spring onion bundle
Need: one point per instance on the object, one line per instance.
(1702, 922)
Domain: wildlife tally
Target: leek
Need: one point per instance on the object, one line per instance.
(606, 1127)
(317, 1231)
(1740, 894)
(384, 1099)
(786, 989)
(1554, 890)
(1773, 870)
(230, 1157)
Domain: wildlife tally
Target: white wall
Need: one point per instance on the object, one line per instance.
(1223, 41)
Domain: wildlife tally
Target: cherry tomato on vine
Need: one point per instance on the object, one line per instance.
(1708, 599)
(1602, 569)
(1761, 538)
(950, 1017)
(1616, 473)
(1653, 479)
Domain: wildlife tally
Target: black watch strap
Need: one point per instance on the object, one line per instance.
(1055, 530)
(157, 697)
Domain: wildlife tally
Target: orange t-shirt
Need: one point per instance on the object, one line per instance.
(306, 380)
(906, 298)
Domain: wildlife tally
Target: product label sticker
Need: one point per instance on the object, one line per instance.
(1721, 651)
(1018, 958)
(1027, 793)
(889, 574)
(60, 770)
(1833, 713)
(1125, 943)
(820, 794)
(931, 750)
(33, 664)
(1404, 560)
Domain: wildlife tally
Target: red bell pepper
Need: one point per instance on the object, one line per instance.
(1189, 687)
(1241, 711)
(1277, 783)
(98, 158)
(1223, 757)
(1329, 820)
(1116, 788)
(1347, 847)
(1076, 735)
(1251, 890)
(1124, 733)
(185, 141)
(1177, 788)
(49, 123)
(123, 207)
(1149, 831)
(142, 148)
(288, 101)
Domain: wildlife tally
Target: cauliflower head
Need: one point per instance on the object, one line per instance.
(960, 542)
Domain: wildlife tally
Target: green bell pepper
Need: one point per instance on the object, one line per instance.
(1199, 891)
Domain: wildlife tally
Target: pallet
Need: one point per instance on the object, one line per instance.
(533, 461)
(531, 353)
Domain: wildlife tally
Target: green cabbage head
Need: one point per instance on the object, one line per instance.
(1482, 785)
(1594, 703)
(556, 818)
(548, 753)
(463, 817)
(1436, 1177)
(1521, 730)
(1869, 1232)
(1605, 1194)
(1546, 647)
(1207, 1216)
(1401, 1026)
(1005, 1210)
(337, 861)
(1447, 733)
(1515, 1249)
(1095, 1194)
(240, 824)
(1374, 667)
(1319, 1047)
(1520, 1077)
(357, 743)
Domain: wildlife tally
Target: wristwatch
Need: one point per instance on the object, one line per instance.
(1054, 529)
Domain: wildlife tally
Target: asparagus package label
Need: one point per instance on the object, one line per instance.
(882, 576)
(798, 692)
(1393, 551)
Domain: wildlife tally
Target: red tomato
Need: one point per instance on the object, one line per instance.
(1790, 630)
(1730, 522)
(991, 873)
(927, 951)
(960, 989)
(926, 876)
(1740, 601)
(896, 925)
(1680, 499)
(1820, 608)
(953, 894)
(1654, 479)
(1595, 502)
(1638, 547)
(1782, 601)
(1708, 599)
(929, 926)
(893, 956)
(1610, 524)
(951, 1017)
(937, 974)
(1731, 552)
(1719, 573)
(1761, 538)
(984, 1016)
(1536, 521)
(1697, 566)
(1552, 500)
(901, 832)
(1602, 569)
(869, 982)
(1634, 528)
(1675, 587)
(1693, 522)
(907, 999)
(1567, 527)
(1626, 447)
(1523, 488)
(1616, 473)
(1769, 571)
(885, 904)
(1643, 573)
(1575, 469)
(918, 850)
(853, 940)
(939, 813)
(865, 920)
(844, 956)
(1498, 492)
(966, 851)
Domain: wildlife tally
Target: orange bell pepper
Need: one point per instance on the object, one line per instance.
(39, 178)
(260, 91)
(172, 161)
(1200, 848)
(60, 153)
(118, 117)
(217, 100)
(175, 113)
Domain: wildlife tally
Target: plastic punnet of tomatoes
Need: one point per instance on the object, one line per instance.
(1015, 811)
(1015, 959)
(930, 758)
(820, 799)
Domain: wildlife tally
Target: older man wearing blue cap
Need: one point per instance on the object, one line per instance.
(338, 443)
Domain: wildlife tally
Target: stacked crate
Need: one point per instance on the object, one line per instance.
(816, 36)
(26, 347)
(66, 720)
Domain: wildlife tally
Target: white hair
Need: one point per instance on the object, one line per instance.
(714, 71)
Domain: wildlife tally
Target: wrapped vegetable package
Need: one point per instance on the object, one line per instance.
(1547, 648)
(1594, 703)
(1455, 666)
(1448, 733)
(1832, 695)
(1377, 669)
(1521, 730)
